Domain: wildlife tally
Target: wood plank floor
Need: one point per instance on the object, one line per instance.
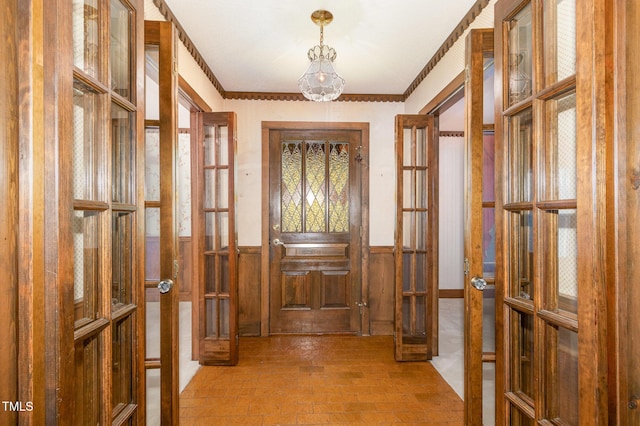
(307, 380)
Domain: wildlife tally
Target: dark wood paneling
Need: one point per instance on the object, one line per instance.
(381, 288)
(249, 290)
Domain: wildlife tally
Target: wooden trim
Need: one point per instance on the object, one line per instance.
(459, 30)
(381, 250)
(164, 35)
(451, 134)
(46, 151)
(186, 90)
(10, 164)
(479, 45)
(451, 94)
(184, 38)
(445, 293)
(250, 249)
(345, 97)
(594, 135)
(196, 230)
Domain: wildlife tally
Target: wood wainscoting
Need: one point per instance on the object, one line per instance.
(249, 275)
(381, 290)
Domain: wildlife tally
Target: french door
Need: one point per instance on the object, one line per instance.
(550, 291)
(161, 243)
(214, 221)
(103, 159)
(415, 237)
(479, 248)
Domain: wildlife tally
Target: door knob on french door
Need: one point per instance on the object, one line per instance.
(479, 283)
(165, 286)
(277, 242)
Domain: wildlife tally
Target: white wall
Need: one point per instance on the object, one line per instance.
(379, 115)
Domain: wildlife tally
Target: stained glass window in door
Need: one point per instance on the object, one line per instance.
(315, 186)
(339, 187)
(291, 197)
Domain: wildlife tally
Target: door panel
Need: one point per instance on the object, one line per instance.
(415, 238)
(216, 249)
(315, 231)
(479, 213)
(161, 270)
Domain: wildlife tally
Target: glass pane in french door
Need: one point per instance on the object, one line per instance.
(560, 40)
(561, 398)
(521, 157)
(86, 32)
(520, 55)
(560, 148)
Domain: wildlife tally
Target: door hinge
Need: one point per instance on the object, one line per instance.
(466, 266)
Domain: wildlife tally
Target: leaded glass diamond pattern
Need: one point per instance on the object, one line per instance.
(291, 198)
(338, 187)
(316, 187)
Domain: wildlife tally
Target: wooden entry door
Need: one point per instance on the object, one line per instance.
(161, 230)
(315, 231)
(479, 236)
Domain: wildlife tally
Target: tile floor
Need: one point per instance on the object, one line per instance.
(289, 380)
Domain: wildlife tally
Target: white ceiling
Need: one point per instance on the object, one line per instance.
(261, 45)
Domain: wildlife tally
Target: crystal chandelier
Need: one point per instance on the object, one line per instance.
(321, 82)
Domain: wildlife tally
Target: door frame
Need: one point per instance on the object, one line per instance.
(450, 95)
(363, 127)
(196, 104)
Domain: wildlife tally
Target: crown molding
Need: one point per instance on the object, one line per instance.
(188, 43)
(281, 96)
(462, 26)
(458, 31)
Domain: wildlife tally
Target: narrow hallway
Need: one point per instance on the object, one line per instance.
(319, 380)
